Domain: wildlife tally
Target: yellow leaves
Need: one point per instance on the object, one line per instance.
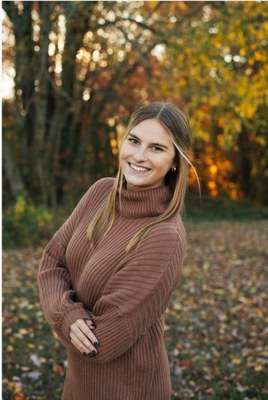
(215, 100)
(259, 56)
(259, 313)
(16, 388)
(152, 4)
(236, 361)
(244, 300)
(177, 307)
(213, 169)
(180, 58)
(264, 25)
(213, 188)
(11, 385)
(247, 109)
(203, 58)
(181, 5)
(205, 266)
(23, 331)
(24, 317)
(19, 208)
(203, 315)
(231, 36)
(242, 52)
(211, 184)
(260, 35)
(113, 142)
(182, 82)
(220, 124)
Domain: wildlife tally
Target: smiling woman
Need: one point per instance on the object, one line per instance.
(147, 155)
(107, 274)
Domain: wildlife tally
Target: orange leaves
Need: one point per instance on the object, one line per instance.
(58, 369)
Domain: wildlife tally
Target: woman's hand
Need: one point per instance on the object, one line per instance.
(83, 338)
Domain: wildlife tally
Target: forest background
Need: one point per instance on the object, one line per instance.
(73, 72)
(81, 68)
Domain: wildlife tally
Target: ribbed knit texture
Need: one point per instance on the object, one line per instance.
(125, 295)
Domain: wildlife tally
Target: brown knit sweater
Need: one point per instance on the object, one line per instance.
(125, 295)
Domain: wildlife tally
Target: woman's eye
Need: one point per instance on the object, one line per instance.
(131, 140)
(155, 148)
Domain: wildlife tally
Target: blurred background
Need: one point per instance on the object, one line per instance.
(73, 72)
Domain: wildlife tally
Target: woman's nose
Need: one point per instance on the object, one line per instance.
(140, 154)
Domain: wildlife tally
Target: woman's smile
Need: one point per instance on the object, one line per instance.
(138, 169)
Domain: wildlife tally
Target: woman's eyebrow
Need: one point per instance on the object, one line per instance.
(153, 144)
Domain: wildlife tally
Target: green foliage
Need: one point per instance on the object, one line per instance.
(25, 224)
(222, 208)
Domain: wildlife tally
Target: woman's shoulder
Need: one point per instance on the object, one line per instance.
(103, 183)
(101, 187)
(169, 234)
(173, 227)
(97, 191)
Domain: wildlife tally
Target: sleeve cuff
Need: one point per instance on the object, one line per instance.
(70, 316)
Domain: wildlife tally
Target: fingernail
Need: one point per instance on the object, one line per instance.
(96, 344)
(84, 354)
(92, 353)
(94, 325)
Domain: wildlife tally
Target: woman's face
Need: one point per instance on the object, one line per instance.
(146, 156)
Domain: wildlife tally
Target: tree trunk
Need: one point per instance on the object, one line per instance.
(245, 162)
(41, 98)
(12, 172)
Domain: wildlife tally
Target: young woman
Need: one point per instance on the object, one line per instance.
(107, 274)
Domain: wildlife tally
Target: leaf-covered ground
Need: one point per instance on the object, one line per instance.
(216, 326)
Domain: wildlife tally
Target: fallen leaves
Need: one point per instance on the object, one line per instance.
(216, 329)
(31, 355)
(217, 319)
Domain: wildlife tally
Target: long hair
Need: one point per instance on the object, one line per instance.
(177, 125)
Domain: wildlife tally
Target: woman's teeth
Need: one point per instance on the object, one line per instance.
(140, 169)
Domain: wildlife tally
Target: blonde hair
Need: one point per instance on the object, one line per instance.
(177, 125)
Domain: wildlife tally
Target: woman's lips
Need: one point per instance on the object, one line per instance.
(138, 169)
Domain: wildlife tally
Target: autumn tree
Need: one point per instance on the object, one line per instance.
(81, 68)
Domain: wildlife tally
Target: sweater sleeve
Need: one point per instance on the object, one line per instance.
(57, 297)
(138, 294)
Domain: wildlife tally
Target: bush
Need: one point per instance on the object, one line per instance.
(25, 224)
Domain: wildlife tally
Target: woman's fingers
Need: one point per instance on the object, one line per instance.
(83, 338)
(90, 324)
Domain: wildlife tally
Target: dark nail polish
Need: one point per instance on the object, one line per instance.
(96, 344)
(94, 352)
(90, 354)
(84, 354)
(93, 324)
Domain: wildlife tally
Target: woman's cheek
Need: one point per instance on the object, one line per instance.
(124, 153)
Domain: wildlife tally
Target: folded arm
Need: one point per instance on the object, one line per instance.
(57, 296)
(138, 295)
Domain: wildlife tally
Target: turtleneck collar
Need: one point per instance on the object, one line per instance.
(143, 203)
